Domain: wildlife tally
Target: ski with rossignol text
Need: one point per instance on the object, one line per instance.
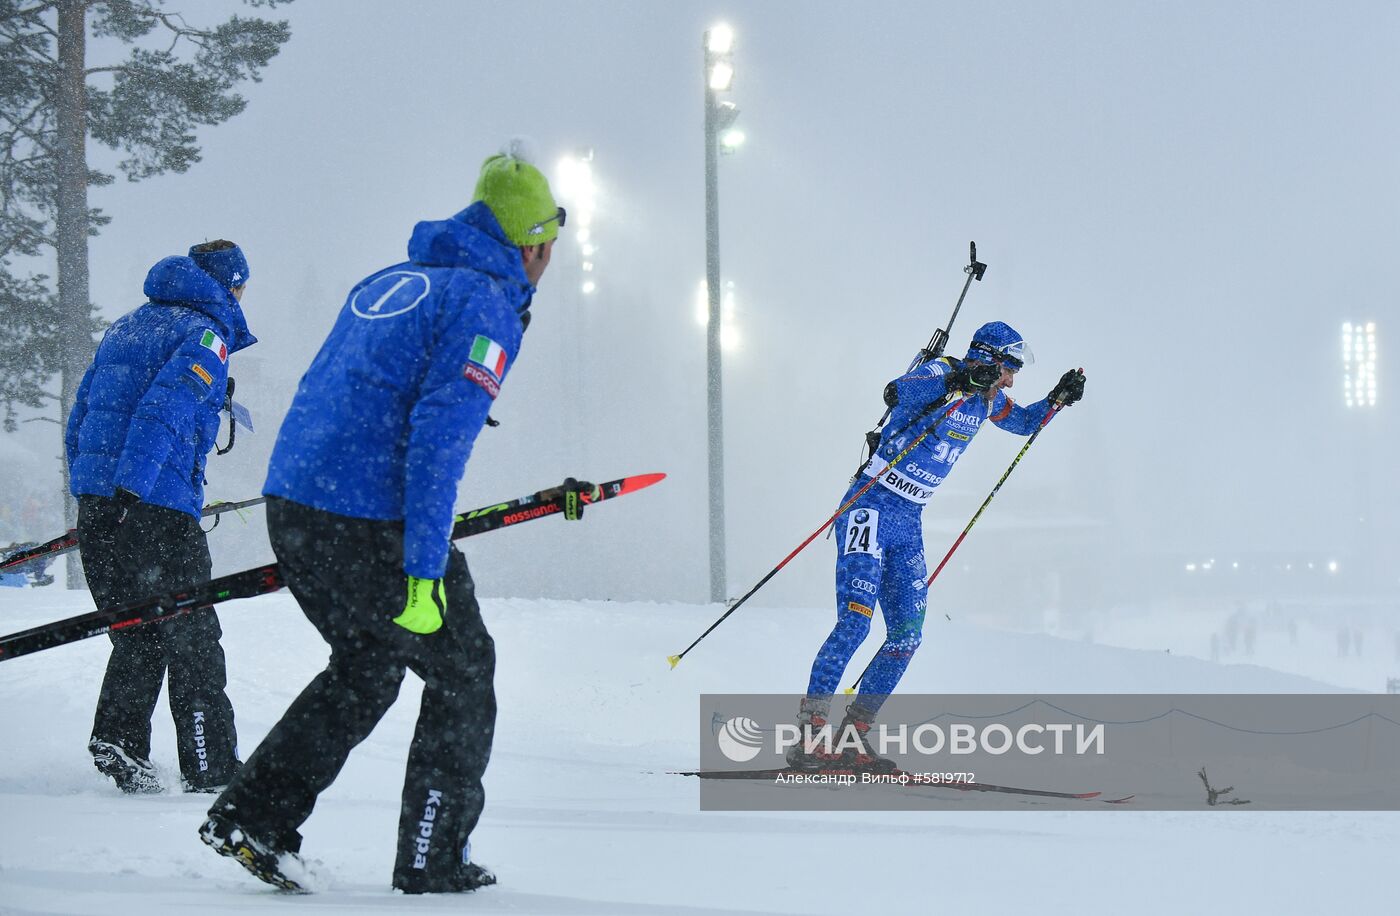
(263, 579)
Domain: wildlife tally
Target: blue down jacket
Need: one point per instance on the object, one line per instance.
(385, 418)
(147, 409)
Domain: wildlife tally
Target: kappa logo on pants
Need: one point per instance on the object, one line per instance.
(424, 841)
(200, 749)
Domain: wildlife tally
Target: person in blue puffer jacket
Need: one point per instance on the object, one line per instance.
(360, 490)
(141, 427)
(880, 549)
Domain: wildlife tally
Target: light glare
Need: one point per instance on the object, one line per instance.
(721, 75)
(721, 40)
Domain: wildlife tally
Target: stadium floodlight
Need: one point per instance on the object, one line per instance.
(721, 75)
(731, 140)
(574, 184)
(720, 39)
(1359, 358)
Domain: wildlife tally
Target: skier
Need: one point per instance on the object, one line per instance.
(880, 550)
(361, 488)
(144, 420)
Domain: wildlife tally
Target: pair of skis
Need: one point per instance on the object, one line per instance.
(911, 779)
(264, 579)
(68, 540)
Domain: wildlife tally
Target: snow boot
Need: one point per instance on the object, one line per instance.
(467, 878)
(278, 867)
(133, 775)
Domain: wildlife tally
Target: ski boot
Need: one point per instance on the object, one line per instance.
(133, 775)
(279, 867)
(820, 755)
(858, 722)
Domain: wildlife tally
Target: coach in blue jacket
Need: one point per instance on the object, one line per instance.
(144, 421)
(361, 488)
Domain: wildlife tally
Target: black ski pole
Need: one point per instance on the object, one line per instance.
(1056, 407)
(676, 659)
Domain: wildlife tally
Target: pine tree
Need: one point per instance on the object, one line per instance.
(174, 78)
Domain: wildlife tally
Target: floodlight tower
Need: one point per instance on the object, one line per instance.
(1359, 393)
(720, 136)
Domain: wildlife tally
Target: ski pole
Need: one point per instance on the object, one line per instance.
(676, 659)
(1056, 407)
(931, 351)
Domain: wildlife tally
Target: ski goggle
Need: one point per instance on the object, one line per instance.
(537, 228)
(1013, 356)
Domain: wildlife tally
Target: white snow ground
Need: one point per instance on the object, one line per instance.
(580, 818)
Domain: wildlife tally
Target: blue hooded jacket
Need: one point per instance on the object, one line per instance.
(147, 409)
(384, 420)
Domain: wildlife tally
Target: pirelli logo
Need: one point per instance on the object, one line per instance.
(860, 609)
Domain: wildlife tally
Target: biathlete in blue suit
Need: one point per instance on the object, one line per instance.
(880, 549)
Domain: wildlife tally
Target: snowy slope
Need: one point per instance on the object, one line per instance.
(580, 818)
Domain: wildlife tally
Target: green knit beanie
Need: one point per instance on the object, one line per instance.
(518, 194)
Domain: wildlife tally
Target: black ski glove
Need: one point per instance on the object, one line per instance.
(1069, 388)
(973, 377)
(891, 395)
(577, 494)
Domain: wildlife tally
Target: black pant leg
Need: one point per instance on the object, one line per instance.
(136, 666)
(157, 550)
(206, 738)
(276, 790)
(346, 576)
(130, 689)
(442, 794)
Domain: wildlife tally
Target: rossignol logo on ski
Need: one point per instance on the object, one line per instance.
(424, 841)
(533, 512)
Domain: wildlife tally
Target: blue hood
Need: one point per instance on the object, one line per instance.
(179, 281)
(473, 238)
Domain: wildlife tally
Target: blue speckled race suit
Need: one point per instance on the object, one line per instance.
(879, 547)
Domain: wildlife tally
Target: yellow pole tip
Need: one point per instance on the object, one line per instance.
(674, 660)
(850, 690)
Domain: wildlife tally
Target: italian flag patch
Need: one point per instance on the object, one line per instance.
(211, 341)
(490, 355)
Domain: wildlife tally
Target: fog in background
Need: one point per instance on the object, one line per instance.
(1187, 200)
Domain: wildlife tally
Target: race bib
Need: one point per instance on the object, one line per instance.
(863, 532)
